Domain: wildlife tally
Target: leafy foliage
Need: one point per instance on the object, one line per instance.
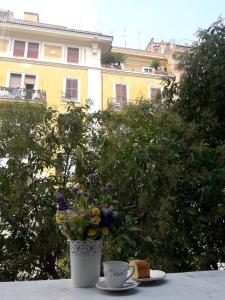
(33, 142)
(113, 58)
(201, 95)
(167, 188)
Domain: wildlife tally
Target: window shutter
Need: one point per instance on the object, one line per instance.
(19, 48)
(15, 81)
(121, 92)
(32, 51)
(72, 55)
(30, 79)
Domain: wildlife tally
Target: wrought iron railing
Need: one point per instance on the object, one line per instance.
(22, 94)
(69, 98)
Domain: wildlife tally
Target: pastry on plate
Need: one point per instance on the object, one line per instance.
(141, 268)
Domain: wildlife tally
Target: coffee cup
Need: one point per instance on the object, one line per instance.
(116, 273)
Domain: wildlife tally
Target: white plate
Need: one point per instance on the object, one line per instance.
(127, 286)
(155, 275)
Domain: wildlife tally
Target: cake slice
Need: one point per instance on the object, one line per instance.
(141, 268)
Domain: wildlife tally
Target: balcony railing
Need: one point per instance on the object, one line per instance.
(22, 94)
(118, 103)
(69, 98)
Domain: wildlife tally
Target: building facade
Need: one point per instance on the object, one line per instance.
(55, 65)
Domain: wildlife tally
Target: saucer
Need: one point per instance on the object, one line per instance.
(127, 286)
(155, 275)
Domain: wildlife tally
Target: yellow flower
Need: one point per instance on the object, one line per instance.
(59, 217)
(91, 232)
(95, 220)
(95, 211)
(105, 230)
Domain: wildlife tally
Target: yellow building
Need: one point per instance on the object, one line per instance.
(56, 65)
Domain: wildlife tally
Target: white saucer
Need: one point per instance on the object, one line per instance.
(127, 286)
(155, 275)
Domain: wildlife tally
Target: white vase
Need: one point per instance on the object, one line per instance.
(85, 262)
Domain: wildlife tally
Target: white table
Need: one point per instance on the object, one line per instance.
(177, 286)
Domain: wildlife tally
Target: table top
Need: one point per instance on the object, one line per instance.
(177, 286)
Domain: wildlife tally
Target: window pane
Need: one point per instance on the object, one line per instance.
(32, 51)
(72, 55)
(19, 48)
(15, 81)
(71, 88)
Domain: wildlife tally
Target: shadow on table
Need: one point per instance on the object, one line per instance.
(119, 294)
(153, 283)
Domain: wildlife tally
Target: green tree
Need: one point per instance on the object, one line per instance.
(201, 96)
(34, 142)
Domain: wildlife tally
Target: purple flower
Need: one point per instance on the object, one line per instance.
(109, 186)
(108, 217)
(62, 205)
(106, 188)
(103, 189)
(75, 189)
(92, 177)
(80, 193)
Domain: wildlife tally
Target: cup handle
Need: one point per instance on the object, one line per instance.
(128, 277)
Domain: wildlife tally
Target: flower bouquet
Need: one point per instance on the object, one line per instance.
(84, 223)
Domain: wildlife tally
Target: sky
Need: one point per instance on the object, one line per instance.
(132, 22)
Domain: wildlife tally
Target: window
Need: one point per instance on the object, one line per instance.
(22, 86)
(72, 55)
(19, 48)
(29, 82)
(71, 89)
(155, 93)
(22, 81)
(121, 92)
(147, 70)
(32, 51)
(26, 49)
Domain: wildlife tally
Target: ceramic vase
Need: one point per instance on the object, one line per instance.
(85, 262)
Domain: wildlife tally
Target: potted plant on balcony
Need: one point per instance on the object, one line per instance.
(113, 59)
(119, 58)
(156, 64)
(84, 222)
(108, 59)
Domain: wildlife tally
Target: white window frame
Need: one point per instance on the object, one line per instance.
(64, 90)
(65, 54)
(26, 48)
(149, 68)
(22, 79)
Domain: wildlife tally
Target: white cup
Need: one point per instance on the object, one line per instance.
(116, 273)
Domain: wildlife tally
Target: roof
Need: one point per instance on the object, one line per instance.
(11, 20)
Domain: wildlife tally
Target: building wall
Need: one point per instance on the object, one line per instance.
(4, 43)
(137, 85)
(49, 78)
(137, 64)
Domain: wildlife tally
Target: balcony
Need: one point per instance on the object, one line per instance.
(118, 103)
(18, 94)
